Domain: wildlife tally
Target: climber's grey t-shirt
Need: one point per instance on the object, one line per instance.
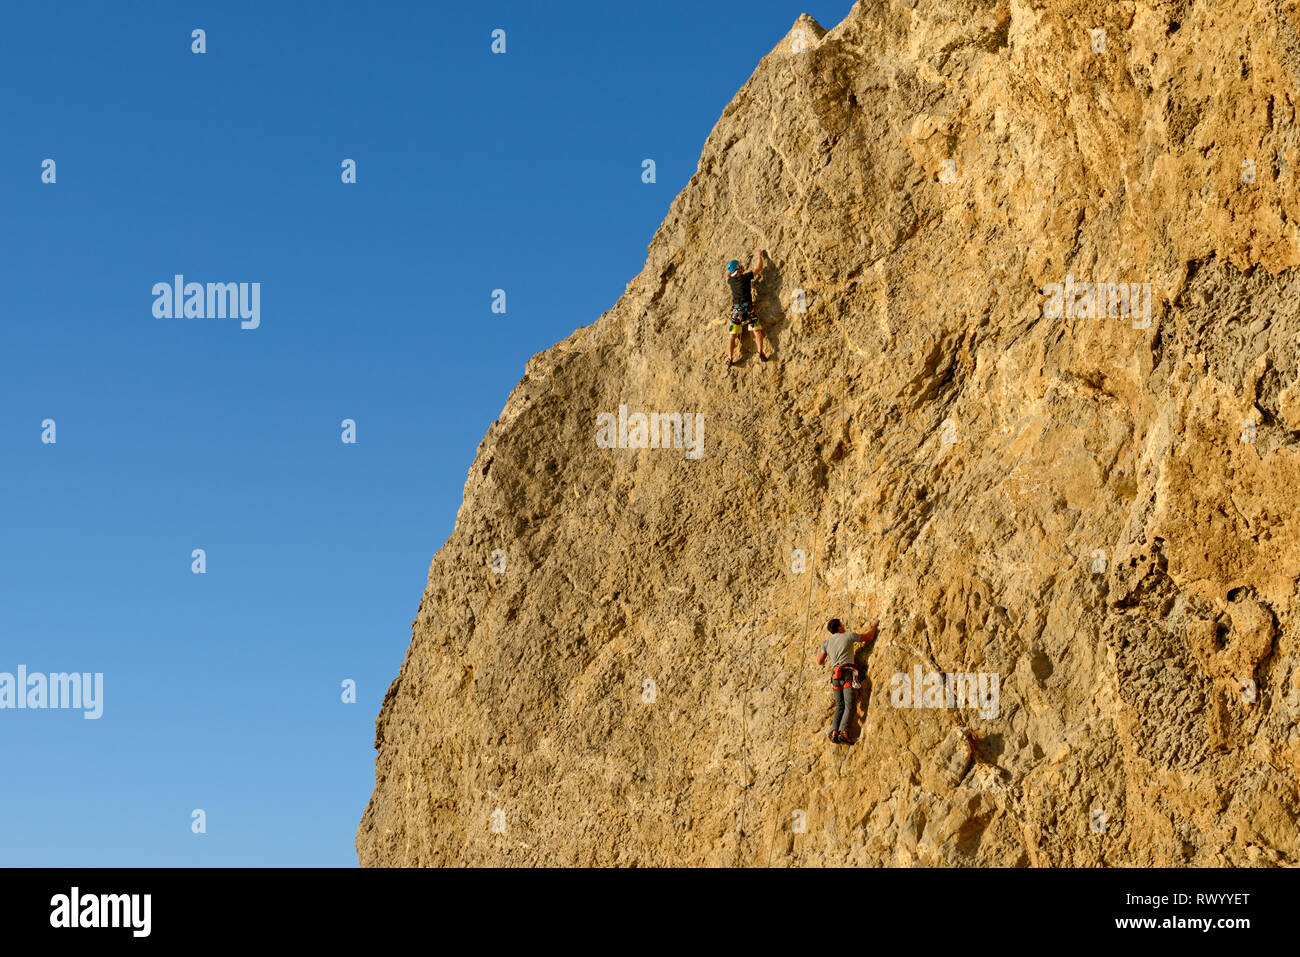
(839, 648)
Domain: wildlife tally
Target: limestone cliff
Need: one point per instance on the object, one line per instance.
(613, 660)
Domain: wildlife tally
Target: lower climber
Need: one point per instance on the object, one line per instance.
(743, 315)
(841, 646)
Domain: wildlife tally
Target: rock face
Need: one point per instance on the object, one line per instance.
(613, 661)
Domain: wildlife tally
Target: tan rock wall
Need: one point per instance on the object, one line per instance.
(1100, 515)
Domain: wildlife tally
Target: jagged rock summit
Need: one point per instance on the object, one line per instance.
(1034, 406)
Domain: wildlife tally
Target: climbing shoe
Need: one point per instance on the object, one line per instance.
(845, 739)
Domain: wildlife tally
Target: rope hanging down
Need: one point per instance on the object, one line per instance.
(812, 572)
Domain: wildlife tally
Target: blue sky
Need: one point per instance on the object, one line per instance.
(475, 171)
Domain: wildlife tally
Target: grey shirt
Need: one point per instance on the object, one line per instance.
(839, 648)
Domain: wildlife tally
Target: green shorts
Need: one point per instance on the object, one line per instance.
(744, 317)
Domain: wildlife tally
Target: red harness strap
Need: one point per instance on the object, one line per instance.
(842, 676)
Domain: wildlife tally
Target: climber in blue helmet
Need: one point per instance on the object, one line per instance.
(743, 315)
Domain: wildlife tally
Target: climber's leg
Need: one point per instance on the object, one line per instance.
(840, 710)
(847, 694)
(735, 329)
(758, 342)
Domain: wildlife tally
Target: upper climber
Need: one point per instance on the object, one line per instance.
(841, 646)
(742, 307)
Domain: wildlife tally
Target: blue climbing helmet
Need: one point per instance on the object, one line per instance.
(733, 265)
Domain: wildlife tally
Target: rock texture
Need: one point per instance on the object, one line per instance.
(613, 659)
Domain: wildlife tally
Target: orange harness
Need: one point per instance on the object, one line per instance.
(843, 676)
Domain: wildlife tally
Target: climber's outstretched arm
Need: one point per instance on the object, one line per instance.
(758, 270)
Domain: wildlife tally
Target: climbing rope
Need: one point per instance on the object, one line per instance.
(847, 426)
(803, 663)
(744, 714)
(744, 750)
(794, 711)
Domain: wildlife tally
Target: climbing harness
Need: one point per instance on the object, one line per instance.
(845, 676)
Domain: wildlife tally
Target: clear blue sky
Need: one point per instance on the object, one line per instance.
(474, 171)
